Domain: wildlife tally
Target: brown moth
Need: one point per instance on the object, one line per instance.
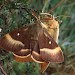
(35, 42)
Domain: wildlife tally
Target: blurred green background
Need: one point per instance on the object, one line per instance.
(12, 16)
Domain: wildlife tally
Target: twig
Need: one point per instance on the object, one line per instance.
(2, 70)
(45, 5)
(69, 5)
(55, 6)
(67, 28)
(63, 16)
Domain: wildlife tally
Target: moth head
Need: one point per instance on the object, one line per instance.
(49, 21)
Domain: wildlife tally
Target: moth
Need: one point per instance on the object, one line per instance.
(35, 42)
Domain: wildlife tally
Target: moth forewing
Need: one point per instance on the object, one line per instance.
(50, 51)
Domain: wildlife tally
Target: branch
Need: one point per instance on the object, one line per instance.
(2, 70)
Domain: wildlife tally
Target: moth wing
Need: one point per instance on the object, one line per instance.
(23, 58)
(36, 54)
(37, 58)
(43, 66)
(17, 41)
(49, 49)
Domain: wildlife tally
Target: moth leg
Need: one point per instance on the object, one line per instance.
(43, 66)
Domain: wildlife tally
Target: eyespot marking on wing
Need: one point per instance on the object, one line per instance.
(0, 29)
(50, 42)
(18, 34)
